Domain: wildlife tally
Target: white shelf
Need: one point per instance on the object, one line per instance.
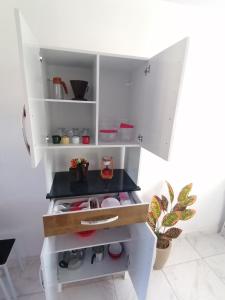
(68, 146)
(100, 237)
(100, 145)
(89, 271)
(70, 101)
(118, 144)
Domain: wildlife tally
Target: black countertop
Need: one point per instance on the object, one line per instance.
(63, 186)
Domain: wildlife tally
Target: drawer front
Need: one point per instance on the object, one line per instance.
(94, 219)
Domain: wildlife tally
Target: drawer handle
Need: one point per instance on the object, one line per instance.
(99, 222)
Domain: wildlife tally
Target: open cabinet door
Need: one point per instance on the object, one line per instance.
(141, 251)
(155, 88)
(33, 115)
(49, 263)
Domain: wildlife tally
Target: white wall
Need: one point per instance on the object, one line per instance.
(197, 153)
(129, 27)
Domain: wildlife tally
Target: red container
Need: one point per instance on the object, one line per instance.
(74, 207)
(85, 139)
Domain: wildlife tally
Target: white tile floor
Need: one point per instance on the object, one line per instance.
(195, 271)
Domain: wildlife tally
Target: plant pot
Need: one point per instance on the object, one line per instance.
(84, 172)
(161, 257)
(75, 174)
(79, 173)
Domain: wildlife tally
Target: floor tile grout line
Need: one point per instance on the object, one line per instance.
(184, 262)
(173, 290)
(214, 272)
(193, 247)
(29, 294)
(196, 250)
(113, 279)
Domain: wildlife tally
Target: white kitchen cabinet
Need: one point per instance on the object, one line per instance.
(139, 90)
(137, 259)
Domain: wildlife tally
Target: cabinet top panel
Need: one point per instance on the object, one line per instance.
(64, 186)
(121, 63)
(67, 58)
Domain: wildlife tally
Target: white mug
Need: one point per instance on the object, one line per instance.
(75, 139)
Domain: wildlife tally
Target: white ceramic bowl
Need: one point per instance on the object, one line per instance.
(110, 202)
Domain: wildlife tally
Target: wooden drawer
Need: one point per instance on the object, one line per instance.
(77, 221)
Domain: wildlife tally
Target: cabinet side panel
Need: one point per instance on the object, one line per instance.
(131, 163)
(49, 262)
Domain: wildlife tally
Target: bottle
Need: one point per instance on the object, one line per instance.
(59, 88)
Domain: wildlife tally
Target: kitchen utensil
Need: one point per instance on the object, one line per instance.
(110, 202)
(115, 250)
(107, 167)
(76, 259)
(79, 87)
(56, 139)
(65, 140)
(124, 198)
(93, 203)
(85, 139)
(72, 259)
(65, 259)
(59, 88)
(98, 253)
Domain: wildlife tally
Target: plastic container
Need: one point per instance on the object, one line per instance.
(126, 134)
(108, 135)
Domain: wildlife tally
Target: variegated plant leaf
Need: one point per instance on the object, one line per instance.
(179, 207)
(172, 233)
(151, 220)
(170, 219)
(160, 201)
(186, 214)
(155, 207)
(189, 201)
(171, 193)
(165, 203)
(184, 193)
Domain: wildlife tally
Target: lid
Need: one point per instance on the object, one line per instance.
(57, 80)
(108, 130)
(126, 125)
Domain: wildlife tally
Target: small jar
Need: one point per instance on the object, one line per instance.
(75, 139)
(85, 139)
(69, 133)
(61, 131)
(76, 131)
(65, 140)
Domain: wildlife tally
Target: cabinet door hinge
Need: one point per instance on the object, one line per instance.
(147, 70)
(140, 138)
(47, 139)
(41, 58)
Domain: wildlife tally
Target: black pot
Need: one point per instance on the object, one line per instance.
(79, 87)
(79, 173)
(75, 174)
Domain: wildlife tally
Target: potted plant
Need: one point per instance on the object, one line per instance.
(164, 214)
(78, 169)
